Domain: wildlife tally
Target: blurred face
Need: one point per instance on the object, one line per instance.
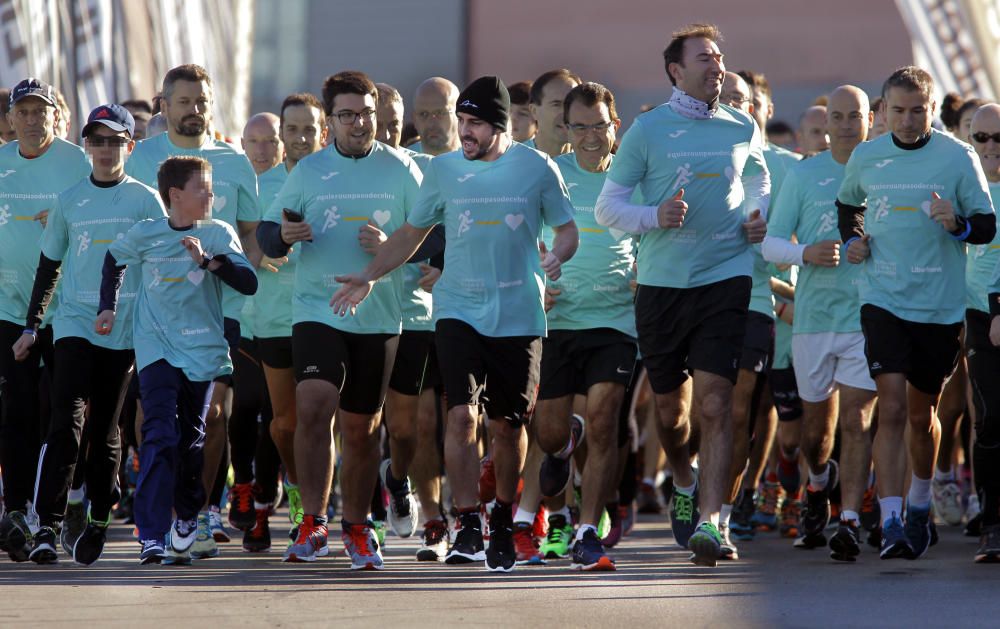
(908, 114)
(478, 137)
(7, 133)
(701, 71)
(965, 124)
(33, 121)
(262, 145)
(736, 93)
(194, 200)
(879, 128)
(522, 122)
(353, 123)
(434, 118)
(591, 134)
(108, 151)
(303, 131)
(763, 109)
(141, 122)
(812, 131)
(188, 110)
(389, 123)
(985, 138)
(550, 113)
(848, 120)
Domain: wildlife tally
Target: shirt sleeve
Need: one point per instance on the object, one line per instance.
(851, 191)
(556, 207)
(973, 189)
(755, 163)
(246, 202)
(55, 236)
(785, 209)
(126, 249)
(629, 166)
(429, 207)
(411, 186)
(290, 196)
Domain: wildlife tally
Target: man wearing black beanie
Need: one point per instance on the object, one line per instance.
(488, 304)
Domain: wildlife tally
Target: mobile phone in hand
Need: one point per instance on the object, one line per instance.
(292, 216)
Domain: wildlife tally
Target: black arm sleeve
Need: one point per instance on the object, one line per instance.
(112, 275)
(269, 239)
(46, 278)
(432, 246)
(240, 276)
(850, 220)
(994, 301)
(983, 228)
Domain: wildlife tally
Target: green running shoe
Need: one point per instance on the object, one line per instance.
(604, 526)
(295, 511)
(557, 542)
(705, 545)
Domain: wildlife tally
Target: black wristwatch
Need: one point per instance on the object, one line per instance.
(205, 261)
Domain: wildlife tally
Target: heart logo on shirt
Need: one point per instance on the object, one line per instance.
(616, 233)
(381, 217)
(514, 220)
(220, 203)
(196, 277)
(926, 207)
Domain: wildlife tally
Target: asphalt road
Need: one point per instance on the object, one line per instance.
(771, 585)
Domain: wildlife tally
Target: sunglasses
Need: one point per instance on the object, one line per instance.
(114, 141)
(983, 138)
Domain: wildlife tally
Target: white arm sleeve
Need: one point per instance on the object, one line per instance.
(757, 192)
(781, 251)
(613, 209)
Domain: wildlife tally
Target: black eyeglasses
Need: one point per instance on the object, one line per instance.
(114, 141)
(349, 117)
(983, 138)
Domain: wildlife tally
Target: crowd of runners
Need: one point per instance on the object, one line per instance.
(502, 326)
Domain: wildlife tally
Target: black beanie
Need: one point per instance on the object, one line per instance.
(486, 98)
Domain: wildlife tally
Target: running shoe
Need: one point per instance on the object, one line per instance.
(845, 545)
(175, 557)
(295, 511)
(43, 550)
(219, 532)
(468, 544)
(815, 515)
(554, 473)
(361, 545)
(765, 518)
(628, 518)
(556, 544)
(791, 511)
(741, 525)
(379, 527)
(15, 534)
(242, 515)
(683, 516)
(989, 545)
(526, 546)
(947, 500)
(895, 545)
(182, 535)
(789, 474)
(258, 538)
(73, 524)
(541, 523)
(501, 555)
(616, 514)
(152, 552)
(89, 545)
(648, 501)
(918, 530)
(433, 541)
(871, 511)
(973, 517)
(727, 549)
(402, 502)
(705, 545)
(604, 524)
(310, 542)
(487, 481)
(589, 555)
(205, 546)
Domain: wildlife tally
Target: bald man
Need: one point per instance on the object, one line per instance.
(434, 116)
(982, 336)
(812, 134)
(736, 93)
(262, 142)
(827, 344)
(156, 125)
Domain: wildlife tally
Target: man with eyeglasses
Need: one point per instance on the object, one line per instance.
(91, 370)
(337, 205)
(710, 183)
(908, 204)
(34, 170)
(434, 117)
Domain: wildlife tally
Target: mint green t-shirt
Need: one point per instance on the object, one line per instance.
(417, 303)
(338, 195)
(85, 221)
(595, 282)
(663, 152)
(982, 261)
(273, 301)
(493, 214)
(782, 331)
(28, 186)
(178, 312)
(778, 162)
(916, 269)
(233, 182)
(826, 298)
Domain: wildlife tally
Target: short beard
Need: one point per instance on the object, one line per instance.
(191, 130)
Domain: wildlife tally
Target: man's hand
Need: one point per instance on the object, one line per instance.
(670, 214)
(292, 233)
(550, 263)
(22, 346)
(273, 264)
(105, 322)
(825, 253)
(551, 292)
(42, 217)
(859, 250)
(943, 212)
(193, 246)
(370, 237)
(429, 275)
(755, 227)
(355, 287)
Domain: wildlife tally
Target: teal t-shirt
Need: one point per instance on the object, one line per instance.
(826, 298)
(178, 312)
(493, 214)
(233, 182)
(783, 331)
(273, 301)
(663, 152)
(982, 261)
(778, 162)
(28, 186)
(916, 269)
(85, 221)
(595, 282)
(338, 195)
(417, 303)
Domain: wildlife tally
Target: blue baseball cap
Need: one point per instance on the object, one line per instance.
(33, 87)
(113, 116)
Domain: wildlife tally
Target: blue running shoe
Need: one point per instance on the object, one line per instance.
(895, 545)
(589, 555)
(918, 530)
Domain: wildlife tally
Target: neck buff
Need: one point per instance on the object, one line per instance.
(691, 107)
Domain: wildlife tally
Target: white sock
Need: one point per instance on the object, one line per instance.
(727, 510)
(76, 496)
(920, 493)
(944, 477)
(891, 507)
(524, 516)
(564, 512)
(649, 481)
(817, 482)
(687, 491)
(849, 516)
(583, 529)
(260, 505)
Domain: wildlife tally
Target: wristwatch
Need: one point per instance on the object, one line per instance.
(205, 260)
